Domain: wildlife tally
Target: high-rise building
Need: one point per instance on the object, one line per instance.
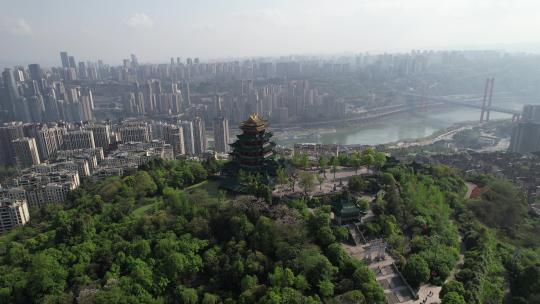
(221, 134)
(8, 133)
(200, 141)
(531, 113)
(70, 74)
(26, 152)
(65, 59)
(35, 72)
(80, 139)
(189, 144)
(134, 61)
(78, 105)
(173, 135)
(526, 134)
(13, 213)
(83, 71)
(46, 188)
(92, 156)
(36, 108)
(135, 132)
(72, 64)
(188, 94)
(51, 107)
(12, 91)
(49, 140)
(86, 105)
(102, 134)
(281, 115)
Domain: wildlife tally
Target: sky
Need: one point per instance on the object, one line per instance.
(155, 30)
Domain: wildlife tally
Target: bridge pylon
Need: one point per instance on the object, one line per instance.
(487, 100)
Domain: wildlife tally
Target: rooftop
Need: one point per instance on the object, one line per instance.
(254, 120)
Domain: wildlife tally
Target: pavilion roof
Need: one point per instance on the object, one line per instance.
(254, 120)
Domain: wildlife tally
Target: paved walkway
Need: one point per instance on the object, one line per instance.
(470, 188)
(429, 293)
(395, 289)
(341, 180)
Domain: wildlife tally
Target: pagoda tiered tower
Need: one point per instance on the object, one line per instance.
(253, 150)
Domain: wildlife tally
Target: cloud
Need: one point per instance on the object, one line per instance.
(20, 28)
(140, 20)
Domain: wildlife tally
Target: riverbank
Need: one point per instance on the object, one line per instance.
(445, 134)
(405, 128)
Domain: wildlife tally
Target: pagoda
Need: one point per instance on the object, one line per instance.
(253, 151)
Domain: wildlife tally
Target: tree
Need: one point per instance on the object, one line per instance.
(337, 256)
(144, 184)
(367, 158)
(320, 179)
(281, 176)
(416, 271)
(301, 160)
(453, 298)
(197, 170)
(187, 295)
(281, 277)
(502, 206)
(325, 235)
(7, 172)
(363, 204)
(221, 195)
(387, 179)
(352, 297)
(242, 176)
(323, 164)
(210, 299)
(326, 288)
(46, 275)
(452, 286)
(356, 161)
(357, 184)
(184, 247)
(248, 282)
(293, 177)
(334, 163)
(306, 181)
(305, 161)
(525, 282)
(379, 159)
(212, 166)
(315, 266)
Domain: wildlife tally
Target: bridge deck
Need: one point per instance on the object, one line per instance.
(467, 103)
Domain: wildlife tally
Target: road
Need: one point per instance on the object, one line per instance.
(428, 141)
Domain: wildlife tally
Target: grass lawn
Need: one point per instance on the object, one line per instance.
(143, 209)
(210, 186)
(195, 186)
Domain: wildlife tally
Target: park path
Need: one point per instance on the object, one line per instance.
(470, 188)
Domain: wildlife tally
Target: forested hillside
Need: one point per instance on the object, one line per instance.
(146, 238)
(167, 234)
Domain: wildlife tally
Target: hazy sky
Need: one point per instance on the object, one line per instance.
(155, 30)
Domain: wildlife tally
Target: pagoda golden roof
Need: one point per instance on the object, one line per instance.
(254, 120)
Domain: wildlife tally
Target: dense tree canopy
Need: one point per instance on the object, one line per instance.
(145, 238)
(164, 235)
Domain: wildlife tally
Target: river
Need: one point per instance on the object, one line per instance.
(401, 127)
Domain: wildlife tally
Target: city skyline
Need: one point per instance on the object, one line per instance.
(218, 29)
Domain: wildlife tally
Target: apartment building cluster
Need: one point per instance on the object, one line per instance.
(53, 159)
